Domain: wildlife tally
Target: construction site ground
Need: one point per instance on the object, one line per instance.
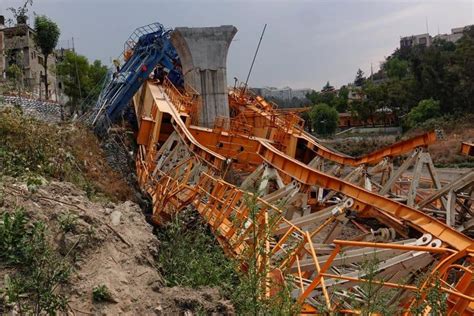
(113, 243)
(116, 248)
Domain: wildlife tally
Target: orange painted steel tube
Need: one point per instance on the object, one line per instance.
(364, 199)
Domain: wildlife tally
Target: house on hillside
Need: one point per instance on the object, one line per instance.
(17, 47)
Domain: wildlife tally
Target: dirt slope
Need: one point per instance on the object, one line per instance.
(112, 245)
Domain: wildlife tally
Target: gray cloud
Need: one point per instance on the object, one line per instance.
(306, 44)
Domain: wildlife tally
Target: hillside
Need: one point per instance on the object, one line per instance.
(71, 238)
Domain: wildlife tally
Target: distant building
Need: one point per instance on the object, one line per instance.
(355, 93)
(382, 117)
(17, 47)
(285, 93)
(426, 39)
(455, 34)
(416, 40)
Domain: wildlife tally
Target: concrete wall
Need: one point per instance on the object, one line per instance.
(203, 54)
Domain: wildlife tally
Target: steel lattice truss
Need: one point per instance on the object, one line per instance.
(317, 214)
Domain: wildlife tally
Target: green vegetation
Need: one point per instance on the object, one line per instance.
(38, 271)
(19, 13)
(324, 119)
(433, 297)
(67, 222)
(101, 293)
(418, 83)
(29, 147)
(327, 96)
(32, 150)
(14, 75)
(81, 79)
(190, 256)
(426, 109)
(46, 39)
(373, 298)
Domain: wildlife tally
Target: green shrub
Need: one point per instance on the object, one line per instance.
(38, 269)
(190, 256)
(13, 237)
(425, 110)
(101, 293)
(67, 222)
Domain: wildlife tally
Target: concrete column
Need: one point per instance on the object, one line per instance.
(203, 55)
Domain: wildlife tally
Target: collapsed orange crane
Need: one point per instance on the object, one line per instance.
(179, 164)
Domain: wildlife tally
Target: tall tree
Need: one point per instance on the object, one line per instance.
(324, 119)
(46, 38)
(359, 79)
(75, 71)
(327, 88)
(396, 68)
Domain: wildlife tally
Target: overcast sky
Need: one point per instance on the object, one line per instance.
(306, 42)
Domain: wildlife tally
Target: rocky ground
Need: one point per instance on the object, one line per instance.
(111, 245)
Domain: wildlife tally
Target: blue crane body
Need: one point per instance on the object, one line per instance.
(152, 48)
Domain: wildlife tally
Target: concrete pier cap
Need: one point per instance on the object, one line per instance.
(203, 54)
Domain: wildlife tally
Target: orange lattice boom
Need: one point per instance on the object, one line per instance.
(314, 204)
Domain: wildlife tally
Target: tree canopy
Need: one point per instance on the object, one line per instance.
(425, 110)
(80, 78)
(359, 79)
(47, 34)
(46, 38)
(324, 119)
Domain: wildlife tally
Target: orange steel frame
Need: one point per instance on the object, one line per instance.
(467, 149)
(257, 135)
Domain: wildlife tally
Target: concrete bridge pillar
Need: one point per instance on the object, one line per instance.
(203, 55)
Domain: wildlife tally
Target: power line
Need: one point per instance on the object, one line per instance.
(77, 70)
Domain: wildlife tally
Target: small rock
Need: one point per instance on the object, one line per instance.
(156, 286)
(124, 281)
(158, 310)
(115, 218)
(110, 204)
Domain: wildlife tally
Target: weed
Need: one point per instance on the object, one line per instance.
(433, 299)
(101, 293)
(190, 256)
(39, 271)
(33, 149)
(67, 222)
(373, 298)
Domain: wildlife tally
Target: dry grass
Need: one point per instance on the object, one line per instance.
(66, 152)
(446, 152)
(95, 167)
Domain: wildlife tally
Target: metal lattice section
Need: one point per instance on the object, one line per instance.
(307, 204)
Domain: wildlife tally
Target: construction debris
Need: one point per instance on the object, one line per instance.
(315, 215)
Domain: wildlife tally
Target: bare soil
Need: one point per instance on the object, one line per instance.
(111, 244)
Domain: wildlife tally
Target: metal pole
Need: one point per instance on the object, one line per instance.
(77, 71)
(253, 61)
